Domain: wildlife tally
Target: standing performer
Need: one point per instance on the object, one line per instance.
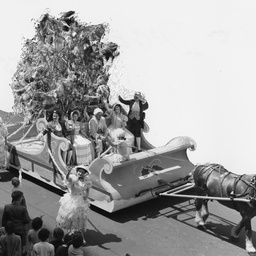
(3, 137)
(74, 205)
(136, 116)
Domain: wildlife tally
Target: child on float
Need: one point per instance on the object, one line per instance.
(121, 147)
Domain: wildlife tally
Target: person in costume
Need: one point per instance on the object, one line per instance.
(122, 149)
(118, 117)
(58, 128)
(74, 205)
(3, 138)
(98, 130)
(136, 116)
(82, 145)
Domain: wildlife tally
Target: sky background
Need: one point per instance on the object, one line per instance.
(195, 61)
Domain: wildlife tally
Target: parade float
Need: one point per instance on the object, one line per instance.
(66, 66)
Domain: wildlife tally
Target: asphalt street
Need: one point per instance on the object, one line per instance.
(161, 227)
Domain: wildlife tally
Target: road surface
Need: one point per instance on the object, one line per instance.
(160, 227)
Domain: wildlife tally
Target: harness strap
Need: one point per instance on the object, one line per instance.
(223, 177)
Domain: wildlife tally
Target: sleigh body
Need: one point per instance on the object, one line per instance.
(115, 185)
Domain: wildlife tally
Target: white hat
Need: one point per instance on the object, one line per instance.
(75, 112)
(97, 111)
(85, 168)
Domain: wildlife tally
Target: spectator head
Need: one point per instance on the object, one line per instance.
(37, 223)
(43, 234)
(58, 233)
(15, 182)
(67, 239)
(77, 239)
(16, 196)
(10, 227)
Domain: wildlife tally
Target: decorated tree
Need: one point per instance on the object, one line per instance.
(64, 66)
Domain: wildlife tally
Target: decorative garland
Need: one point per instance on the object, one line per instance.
(65, 66)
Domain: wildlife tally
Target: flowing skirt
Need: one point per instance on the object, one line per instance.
(72, 214)
(83, 148)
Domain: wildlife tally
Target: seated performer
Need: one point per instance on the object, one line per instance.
(58, 128)
(82, 145)
(122, 150)
(119, 120)
(98, 130)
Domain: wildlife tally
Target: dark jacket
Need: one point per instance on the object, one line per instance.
(16, 213)
(143, 107)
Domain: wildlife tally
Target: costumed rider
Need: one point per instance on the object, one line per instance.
(122, 150)
(136, 115)
(74, 205)
(98, 131)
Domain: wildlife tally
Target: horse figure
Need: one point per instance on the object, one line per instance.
(213, 180)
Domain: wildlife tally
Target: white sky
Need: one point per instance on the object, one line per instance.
(194, 60)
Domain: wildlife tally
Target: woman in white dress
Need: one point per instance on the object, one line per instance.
(119, 120)
(82, 145)
(74, 205)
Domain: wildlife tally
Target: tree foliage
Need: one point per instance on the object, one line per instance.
(64, 66)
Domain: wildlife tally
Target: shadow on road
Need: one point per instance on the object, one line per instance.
(95, 237)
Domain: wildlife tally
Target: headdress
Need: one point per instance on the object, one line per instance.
(85, 168)
(97, 111)
(75, 112)
(119, 133)
(138, 94)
